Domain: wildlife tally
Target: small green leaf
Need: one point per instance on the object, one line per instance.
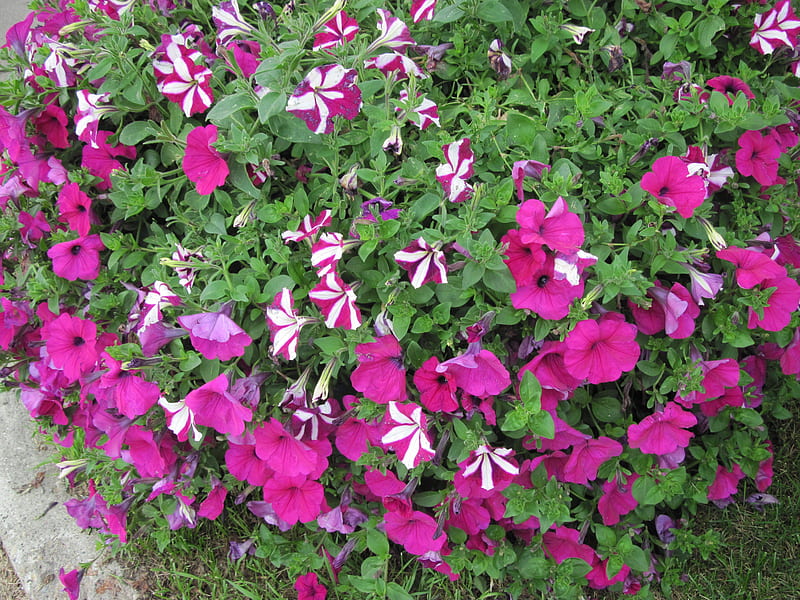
(542, 424)
(270, 105)
(216, 225)
(377, 542)
(515, 420)
(214, 290)
(530, 392)
(229, 106)
(135, 132)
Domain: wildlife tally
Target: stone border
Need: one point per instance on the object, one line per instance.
(38, 541)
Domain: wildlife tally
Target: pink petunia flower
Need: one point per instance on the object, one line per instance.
(414, 530)
(77, 259)
(783, 302)
(213, 406)
(214, 504)
(525, 261)
(758, 156)
(458, 168)
(672, 184)
(426, 111)
(72, 580)
(424, 263)
(201, 162)
(326, 92)
(777, 27)
(215, 335)
(662, 432)
(586, 458)
(34, 227)
(725, 483)
(752, 267)
(101, 160)
(703, 284)
(560, 229)
(437, 391)
(229, 22)
(617, 500)
(547, 295)
(189, 83)
(336, 32)
(601, 350)
(526, 168)
(380, 374)
(132, 395)
(282, 452)
(562, 543)
(51, 123)
(337, 302)
(477, 371)
(71, 344)
(730, 86)
(295, 498)
(75, 209)
(405, 432)
(308, 586)
(673, 311)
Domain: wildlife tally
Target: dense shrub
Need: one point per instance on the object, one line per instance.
(507, 284)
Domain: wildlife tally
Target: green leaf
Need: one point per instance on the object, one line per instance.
(646, 491)
(395, 592)
(377, 542)
(515, 420)
(214, 290)
(472, 274)
(708, 28)
(241, 180)
(216, 225)
(607, 409)
(636, 559)
(530, 392)
(542, 424)
(605, 535)
(494, 12)
(271, 104)
(500, 281)
(448, 14)
(520, 129)
(135, 132)
(329, 344)
(229, 106)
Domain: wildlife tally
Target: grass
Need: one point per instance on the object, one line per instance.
(760, 552)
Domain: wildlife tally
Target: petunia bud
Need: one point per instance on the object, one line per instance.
(615, 58)
(394, 143)
(349, 181)
(499, 60)
(576, 31)
(714, 236)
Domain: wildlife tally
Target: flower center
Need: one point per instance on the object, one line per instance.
(663, 191)
(542, 281)
(78, 341)
(75, 250)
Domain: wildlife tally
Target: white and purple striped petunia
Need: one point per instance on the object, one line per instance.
(453, 175)
(229, 22)
(778, 26)
(285, 325)
(405, 431)
(326, 92)
(308, 227)
(394, 33)
(422, 10)
(426, 110)
(423, 262)
(395, 64)
(189, 84)
(336, 32)
(337, 302)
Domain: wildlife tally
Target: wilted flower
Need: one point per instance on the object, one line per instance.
(394, 143)
(499, 60)
(615, 58)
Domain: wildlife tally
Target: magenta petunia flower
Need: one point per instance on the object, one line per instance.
(295, 498)
(201, 162)
(672, 184)
(380, 374)
(405, 432)
(562, 543)
(244, 464)
(395, 66)
(548, 367)
(718, 375)
(560, 229)
(783, 302)
(673, 311)
(617, 500)
(758, 156)
(601, 350)
(131, 394)
(71, 344)
(283, 453)
(546, 295)
(526, 168)
(213, 505)
(523, 260)
(423, 262)
(437, 391)
(337, 302)
(34, 227)
(422, 10)
(458, 168)
(326, 92)
(336, 32)
(586, 458)
(730, 86)
(725, 483)
(229, 22)
(779, 26)
(414, 530)
(477, 371)
(215, 335)
(308, 227)
(308, 586)
(213, 406)
(188, 84)
(144, 453)
(75, 209)
(77, 259)
(662, 432)
(752, 267)
(101, 159)
(52, 123)
(72, 580)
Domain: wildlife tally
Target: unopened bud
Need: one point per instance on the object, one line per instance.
(714, 236)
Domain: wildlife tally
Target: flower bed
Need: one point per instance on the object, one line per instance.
(506, 286)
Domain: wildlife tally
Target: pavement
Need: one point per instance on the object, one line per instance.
(39, 542)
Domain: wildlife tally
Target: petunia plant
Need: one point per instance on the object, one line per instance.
(504, 288)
